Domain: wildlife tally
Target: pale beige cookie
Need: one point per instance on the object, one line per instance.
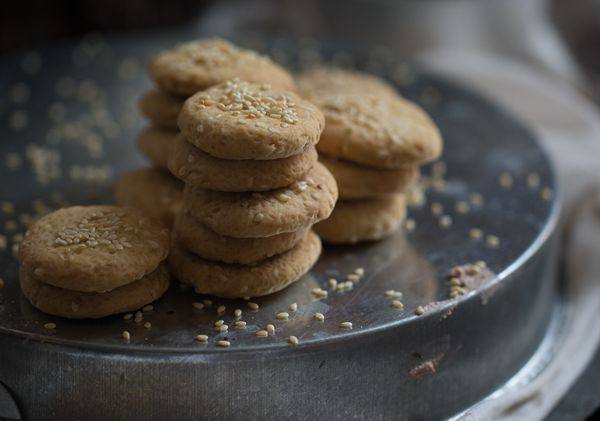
(200, 169)
(156, 143)
(359, 181)
(93, 305)
(353, 221)
(236, 281)
(377, 130)
(93, 248)
(315, 82)
(241, 120)
(197, 65)
(253, 215)
(154, 191)
(161, 108)
(209, 245)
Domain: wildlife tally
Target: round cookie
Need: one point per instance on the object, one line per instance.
(93, 305)
(156, 143)
(151, 190)
(161, 108)
(315, 82)
(254, 215)
(377, 130)
(197, 65)
(209, 245)
(236, 281)
(353, 221)
(359, 182)
(93, 248)
(241, 120)
(200, 169)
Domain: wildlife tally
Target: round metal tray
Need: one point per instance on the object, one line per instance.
(391, 364)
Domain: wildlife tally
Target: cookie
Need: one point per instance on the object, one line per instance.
(254, 215)
(358, 181)
(93, 305)
(156, 143)
(315, 82)
(353, 221)
(200, 169)
(377, 130)
(209, 245)
(154, 191)
(197, 65)
(93, 248)
(161, 108)
(241, 120)
(236, 281)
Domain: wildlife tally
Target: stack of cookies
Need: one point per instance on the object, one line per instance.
(374, 142)
(177, 74)
(94, 261)
(253, 189)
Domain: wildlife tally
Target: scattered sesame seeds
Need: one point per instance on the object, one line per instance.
(201, 338)
(293, 307)
(147, 325)
(126, 336)
(252, 305)
(198, 306)
(283, 316)
(237, 312)
(319, 316)
(240, 324)
(397, 304)
(271, 329)
(262, 333)
(221, 309)
(419, 311)
(320, 292)
(346, 325)
(50, 326)
(492, 241)
(293, 340)
(224, 344)
(475, 234)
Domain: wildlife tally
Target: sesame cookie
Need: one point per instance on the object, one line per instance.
(209, 245)
(93, 248)
(93, 305)
(377, 130)
(156, 143)
(235, 281)
(197, 65)
(241, 120)
(315, 82)
(151, 190)
(252, 215)
(202, 170)
(353, 221)
(161, 108)
(358, 181)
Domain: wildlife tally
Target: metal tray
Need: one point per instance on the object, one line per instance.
(392, 364)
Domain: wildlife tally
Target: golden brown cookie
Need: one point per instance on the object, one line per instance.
(93, 248)
(353, 221)
(93, 305)
(154, 191)
(197, 65)
(359, 181)
(377, 130)
(317, 81)
(200, 169)
(253, 215)
(161, 108)
(235, 281)
(156, 143)
(209, 245)
(241, 120)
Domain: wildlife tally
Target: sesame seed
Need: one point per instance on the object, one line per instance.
(221, 309)
(419, 311)
(410, 224)
(148, 308)
(293, 340)
(505, 180)
(492, 241)
(445, 221)
(126, 336)
(283, 316)
(128, 316)
(397, 304)
(475, 234)
(207, 303)
(353, 277)
(262, 333)
(346, 325)
(476, 199)
(271, 329)
(222, 328)
(332, 283)
(293, 307)
(198, 306)
(437, 209)
(219, 323)
(237, 312)
(240, 324)
(359, 271)
(462, 207)
(547, 194)
(201, 338)
(319, 316)
(533, 180)
(253, 306)
(319, 292)
(393, 293)
(147, 325)
(224, 344)
(50, 326)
